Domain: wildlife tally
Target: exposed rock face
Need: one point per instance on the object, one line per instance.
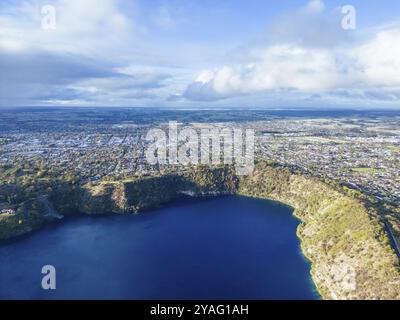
(344, 239)
(340, 234)
(99, 199)
(149, 192)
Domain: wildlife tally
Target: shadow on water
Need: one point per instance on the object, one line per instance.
(228, 247)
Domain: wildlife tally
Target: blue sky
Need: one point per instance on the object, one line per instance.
(177, 53)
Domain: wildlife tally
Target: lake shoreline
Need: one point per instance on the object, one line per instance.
(203, 212)
(336, 224)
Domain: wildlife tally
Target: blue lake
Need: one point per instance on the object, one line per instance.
(215, 248)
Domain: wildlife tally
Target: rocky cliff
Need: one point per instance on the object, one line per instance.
(341, 234)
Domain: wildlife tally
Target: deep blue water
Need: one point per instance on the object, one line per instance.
(217, 248)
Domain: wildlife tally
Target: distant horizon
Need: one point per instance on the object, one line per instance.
(330, 108)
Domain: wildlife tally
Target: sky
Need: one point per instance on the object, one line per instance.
(209, 53)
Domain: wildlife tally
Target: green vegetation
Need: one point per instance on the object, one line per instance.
(341, 233)
(364, 170)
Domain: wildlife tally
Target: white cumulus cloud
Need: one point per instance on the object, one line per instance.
(368, 67)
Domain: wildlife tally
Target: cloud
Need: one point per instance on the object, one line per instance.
(102, 53)
(90, 27)
(279, 67)
(379, 95)
(53, 78)
(121, 87)
(87, 59)
(47, 68)
(39, 75)
(310, 26)
(379, 58)
(309, 64)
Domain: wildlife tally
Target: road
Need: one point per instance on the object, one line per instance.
(392, 238)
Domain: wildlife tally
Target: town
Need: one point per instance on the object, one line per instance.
(357, 150)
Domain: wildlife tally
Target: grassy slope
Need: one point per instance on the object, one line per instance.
(350, 252)
(339, 233)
